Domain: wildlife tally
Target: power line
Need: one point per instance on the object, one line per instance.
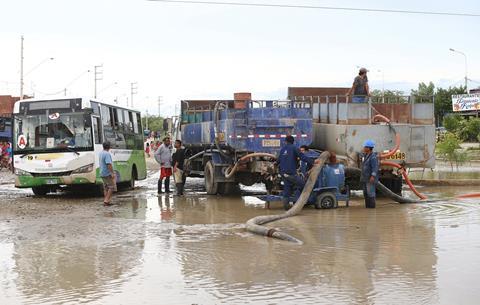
(333, 8)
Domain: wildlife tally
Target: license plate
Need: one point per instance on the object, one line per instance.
(51, 181)
(398, 156)
(271, 143)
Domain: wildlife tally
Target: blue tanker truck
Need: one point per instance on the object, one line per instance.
(236, 141)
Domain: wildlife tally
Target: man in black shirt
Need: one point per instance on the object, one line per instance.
(178, 160)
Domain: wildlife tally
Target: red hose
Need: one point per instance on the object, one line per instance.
(397, 137)
(473, 195)
(405, 176)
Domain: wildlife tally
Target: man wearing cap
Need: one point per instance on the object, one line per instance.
(360, 87)
(369, 177)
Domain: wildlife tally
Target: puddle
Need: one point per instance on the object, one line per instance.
(194, 250)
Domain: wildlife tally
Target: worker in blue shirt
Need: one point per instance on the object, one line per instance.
(369, 177)
(287, 162)
(304, 166)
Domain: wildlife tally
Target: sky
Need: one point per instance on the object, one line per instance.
(192, 51)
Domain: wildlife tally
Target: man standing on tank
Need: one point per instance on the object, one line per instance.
(360, 88)
(369, 177)
(163, 156)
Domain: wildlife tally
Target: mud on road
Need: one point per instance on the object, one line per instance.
(66, 248)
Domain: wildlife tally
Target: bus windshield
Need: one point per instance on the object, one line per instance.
(52, 132)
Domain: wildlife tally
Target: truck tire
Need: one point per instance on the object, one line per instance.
(210, 184)
(228, 188)
(326, 200)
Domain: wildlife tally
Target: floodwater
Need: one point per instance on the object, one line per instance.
(194, 250)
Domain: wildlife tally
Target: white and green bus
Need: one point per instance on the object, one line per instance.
(56, 143)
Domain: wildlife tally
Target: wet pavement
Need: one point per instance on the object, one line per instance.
(62, 249)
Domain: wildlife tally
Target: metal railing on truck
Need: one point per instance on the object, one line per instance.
(202, 111)
(341, 109)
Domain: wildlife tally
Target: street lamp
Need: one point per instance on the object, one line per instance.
(466, 67)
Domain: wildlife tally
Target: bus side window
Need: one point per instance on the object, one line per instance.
(106, 117)
(129, 120)
(97, 131)
(135, 123)
(139, 123)
(113, 112)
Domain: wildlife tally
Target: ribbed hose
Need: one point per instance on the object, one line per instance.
(385, 190)
(255, 225)
(405, 176)
(232, 170)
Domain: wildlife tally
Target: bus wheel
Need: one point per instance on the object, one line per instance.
(40, 190)
(210, 184)
(133, 177)
(99, 190)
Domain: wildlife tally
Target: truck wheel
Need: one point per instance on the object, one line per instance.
(40, 191)
(228, 188)
(210, 184)
(326, 200)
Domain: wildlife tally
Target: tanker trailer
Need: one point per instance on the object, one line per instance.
(403, 128)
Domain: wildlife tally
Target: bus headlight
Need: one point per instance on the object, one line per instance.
(20, 172)
(84, 169)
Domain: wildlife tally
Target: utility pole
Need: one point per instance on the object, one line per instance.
(133, 91)
(21, 67)
(146, 121)
(98, 75)
(466, 67)
(159, 102)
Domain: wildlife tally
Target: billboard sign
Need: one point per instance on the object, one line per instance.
(466, 102)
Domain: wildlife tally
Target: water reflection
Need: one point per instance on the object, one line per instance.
(194, 250)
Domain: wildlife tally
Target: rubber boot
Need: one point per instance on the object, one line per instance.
(370, 202)
(159, 186)
(286, 204)
(167, 185)
(179, 187)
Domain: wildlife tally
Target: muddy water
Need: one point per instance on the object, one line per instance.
(194, 250)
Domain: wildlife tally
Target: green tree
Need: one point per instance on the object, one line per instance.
(155, 123)
(389, 96)
(424, 89)
(469, 130)
(449, 149)
(443, 101)
(453, 122)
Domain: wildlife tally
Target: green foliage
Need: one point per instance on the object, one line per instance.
(155, 123)
(449, 149)
(452, 122)
(467, 130)
(470, 130)
(389, 96)
(443, 101)
(424, 89)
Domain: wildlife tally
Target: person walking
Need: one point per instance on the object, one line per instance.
(107, 173)
(360, 88)
(287, 162)
(163, 156)
(147, 149)
(179, 175)
(369, 177)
